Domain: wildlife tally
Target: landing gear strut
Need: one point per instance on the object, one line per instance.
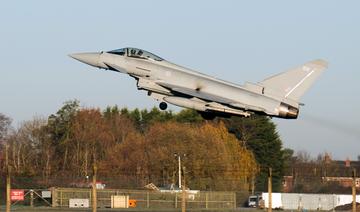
(163, 105)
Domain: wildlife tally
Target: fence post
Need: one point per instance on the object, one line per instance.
(94, 203)
(8, 182)
(206, 200)
(147, 200)
(354, 191)
(300, 203)
(31, 198)
(90, 196)
(234, 200)
(61, 198)
(270, 190)
(176, 200)
(8, 188)
(183, 203)
(53, 197)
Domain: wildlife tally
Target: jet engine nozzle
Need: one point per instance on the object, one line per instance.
(287, 111)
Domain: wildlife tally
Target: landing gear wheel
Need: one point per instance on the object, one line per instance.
(163, 105)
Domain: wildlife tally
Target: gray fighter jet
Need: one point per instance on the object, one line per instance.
(166, 82)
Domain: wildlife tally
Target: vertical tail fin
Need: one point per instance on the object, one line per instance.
(295, 82)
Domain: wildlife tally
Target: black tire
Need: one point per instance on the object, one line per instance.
(162, 105)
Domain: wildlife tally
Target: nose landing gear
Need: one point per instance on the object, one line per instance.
(163, 105)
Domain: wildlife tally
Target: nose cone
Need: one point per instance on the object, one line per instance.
(92, 59)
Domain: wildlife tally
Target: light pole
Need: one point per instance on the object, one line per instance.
(94, 192)
(354, 191)
(183, 202)
(179, 164)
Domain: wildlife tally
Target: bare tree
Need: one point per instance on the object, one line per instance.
(27, 147)
(4, 131)
(4, 125)
(303, 156)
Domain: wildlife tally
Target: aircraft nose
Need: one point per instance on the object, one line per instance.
(91, 58)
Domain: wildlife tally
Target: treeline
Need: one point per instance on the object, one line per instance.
(135, 147)
(321, 174)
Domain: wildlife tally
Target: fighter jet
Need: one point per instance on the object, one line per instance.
(166, 82)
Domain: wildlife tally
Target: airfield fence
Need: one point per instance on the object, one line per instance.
(148, 199)
(34, 198)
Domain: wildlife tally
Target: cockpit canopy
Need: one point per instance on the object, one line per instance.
(136, 53)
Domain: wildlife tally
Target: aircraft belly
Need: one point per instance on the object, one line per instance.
(218, 92)
(211, 90)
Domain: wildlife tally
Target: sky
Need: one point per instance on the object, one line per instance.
(237, 41)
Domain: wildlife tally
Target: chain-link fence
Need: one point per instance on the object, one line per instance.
(148, 199)
(31, 197)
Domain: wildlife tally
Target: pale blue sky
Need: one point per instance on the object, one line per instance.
(234, 40)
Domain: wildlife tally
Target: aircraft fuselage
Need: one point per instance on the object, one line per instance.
(171, 83)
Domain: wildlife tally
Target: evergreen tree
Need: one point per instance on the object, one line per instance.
(58, 127)
(188, 116)
(259, 134)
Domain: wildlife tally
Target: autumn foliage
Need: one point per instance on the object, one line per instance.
(213, 158)
(130, 151)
